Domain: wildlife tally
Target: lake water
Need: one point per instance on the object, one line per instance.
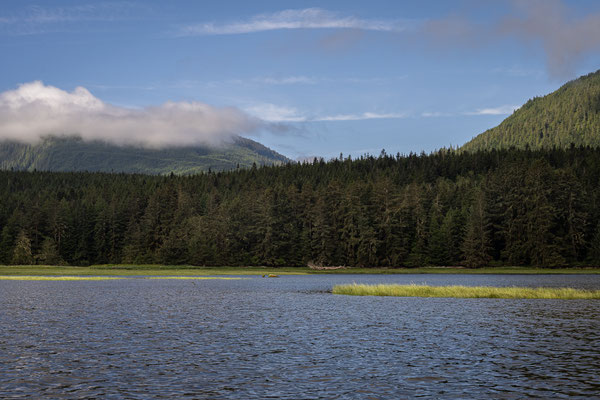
(289, 338)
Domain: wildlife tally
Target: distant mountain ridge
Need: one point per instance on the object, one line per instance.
(75, 154)
(568, 116)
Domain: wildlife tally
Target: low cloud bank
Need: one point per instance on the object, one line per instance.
(34, 111)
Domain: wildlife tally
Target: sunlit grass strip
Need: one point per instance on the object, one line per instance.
(195, 277)
(57, 278)
(465, 292)
(102, 278)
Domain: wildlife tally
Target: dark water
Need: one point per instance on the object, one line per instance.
(289, 338)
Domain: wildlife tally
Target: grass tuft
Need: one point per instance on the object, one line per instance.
(465, 292)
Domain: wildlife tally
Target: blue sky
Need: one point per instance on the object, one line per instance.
(304, 78)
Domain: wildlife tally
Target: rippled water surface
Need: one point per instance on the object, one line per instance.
(290, 338)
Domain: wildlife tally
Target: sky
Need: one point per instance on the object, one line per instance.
(304, 78)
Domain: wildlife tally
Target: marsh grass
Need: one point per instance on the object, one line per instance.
(56, 278)
(465, 292)
(142, 270)
(102, 278)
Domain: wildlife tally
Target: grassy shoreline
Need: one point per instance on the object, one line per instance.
(162, 270)
(105, 278)
(465, 292)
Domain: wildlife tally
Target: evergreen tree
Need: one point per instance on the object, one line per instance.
(477, 245)
(22, 254)
(49, 254)
(505, 207)
(594, 247)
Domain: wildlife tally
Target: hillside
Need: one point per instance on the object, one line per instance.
(73, 154)
(570, 115)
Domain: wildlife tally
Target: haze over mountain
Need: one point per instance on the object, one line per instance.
(568, 116)
(46, 128)
(75, 154)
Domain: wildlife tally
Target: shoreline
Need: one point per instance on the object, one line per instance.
(160, 270)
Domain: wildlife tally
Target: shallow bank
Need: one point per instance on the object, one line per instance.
(104, 278)
(158, 270)
(465, 292)
(56, 278)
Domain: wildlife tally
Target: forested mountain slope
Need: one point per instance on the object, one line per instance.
(73, 154)
(507, 207)
(570, 115)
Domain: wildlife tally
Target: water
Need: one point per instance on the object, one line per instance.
(289, 338)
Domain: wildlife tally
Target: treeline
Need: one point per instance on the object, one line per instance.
(507, 207)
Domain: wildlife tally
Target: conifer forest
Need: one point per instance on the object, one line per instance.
(448, 208)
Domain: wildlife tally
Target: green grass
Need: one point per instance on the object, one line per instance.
(179, 270)
(56, 278)
(99, 278)
(465, 292)
(142, 270)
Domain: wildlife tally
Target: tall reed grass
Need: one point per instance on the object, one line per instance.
(466, 292)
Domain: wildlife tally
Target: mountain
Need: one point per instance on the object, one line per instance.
(570, 115)
(74, 154)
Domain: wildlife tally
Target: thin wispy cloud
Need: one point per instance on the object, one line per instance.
(308, 18)
(361, 116)
(289, 80)
(34, 111)
(37, 19)
(99, 12)
(502, 110)
(275, 113)
(273, 81)
(436, 114)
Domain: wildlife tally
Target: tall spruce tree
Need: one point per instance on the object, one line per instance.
(477, 243)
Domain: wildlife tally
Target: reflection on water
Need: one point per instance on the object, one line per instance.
(290, 338)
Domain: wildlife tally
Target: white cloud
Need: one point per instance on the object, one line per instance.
(502, 110)
(308, 18)
(358, 117)
(275, 113)
(35, 110)
(289, 80)
(436, 114)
